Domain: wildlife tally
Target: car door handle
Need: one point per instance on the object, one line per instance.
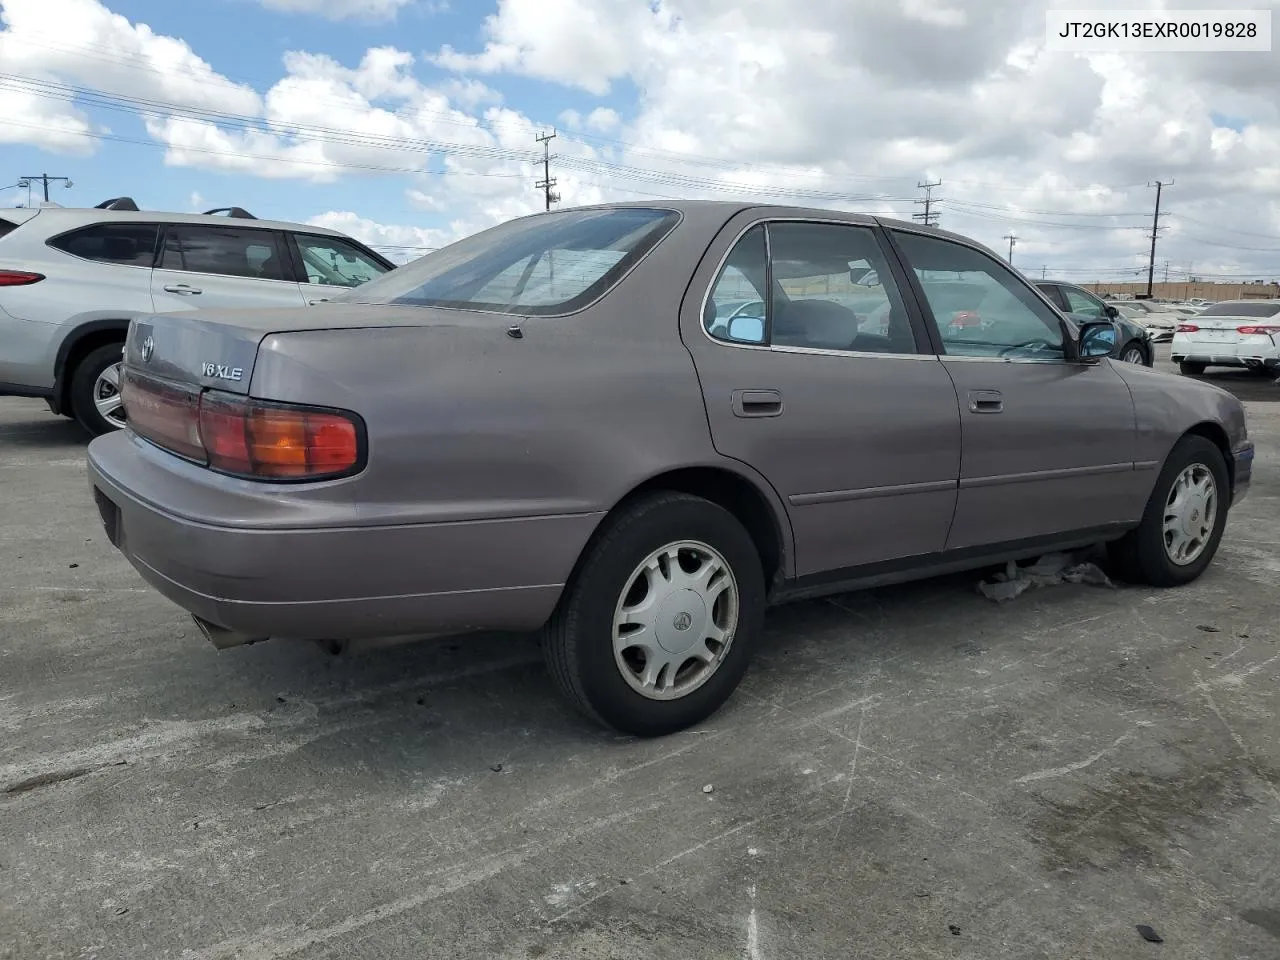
(756, 403)
(985, 401)
(184, 289)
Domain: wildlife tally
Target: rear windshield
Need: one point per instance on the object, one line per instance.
(1241, 310)
(547, 264)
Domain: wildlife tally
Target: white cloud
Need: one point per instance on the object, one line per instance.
(84, 43)
(347, 9)
(603, 120)
(395, 242)
(732, 98)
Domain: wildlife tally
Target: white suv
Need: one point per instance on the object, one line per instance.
(71, 280)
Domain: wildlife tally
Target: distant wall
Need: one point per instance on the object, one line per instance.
(1187, 290)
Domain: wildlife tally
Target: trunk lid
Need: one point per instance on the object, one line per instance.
(218, 348)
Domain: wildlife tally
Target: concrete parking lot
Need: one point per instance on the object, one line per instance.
(913, 772)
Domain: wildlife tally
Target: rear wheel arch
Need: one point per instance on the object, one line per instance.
(756, 508)
(79, 344)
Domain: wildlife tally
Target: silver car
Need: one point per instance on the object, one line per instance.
(555, 425)
(71, 280)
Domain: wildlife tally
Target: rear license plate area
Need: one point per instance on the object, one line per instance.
(110, 514)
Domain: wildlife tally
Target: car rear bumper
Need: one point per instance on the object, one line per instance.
(1255, 352)
(337, 582)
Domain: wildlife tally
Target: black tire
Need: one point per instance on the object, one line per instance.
(1142, 352)
(83, 379)
(578, 641)
(1191, 368)
(1140, 556)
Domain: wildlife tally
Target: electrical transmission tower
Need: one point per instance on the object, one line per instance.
(546, 183)
(928, 218)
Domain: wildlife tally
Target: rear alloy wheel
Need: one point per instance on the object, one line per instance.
(1184, 519)
(1133, 354)
(1191, 368)
(655, 629)
(95, 391)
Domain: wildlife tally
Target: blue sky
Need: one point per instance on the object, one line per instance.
(246, 42)
(324, 111)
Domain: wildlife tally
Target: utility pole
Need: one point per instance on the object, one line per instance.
(1043, 270)
(1166, 271)
(546, 183)
(929, 218)
(1012, 240)
(1155, 230)
(45, 179)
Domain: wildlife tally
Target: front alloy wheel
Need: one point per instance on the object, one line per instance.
(1134, 354)
(1183, 521)
(1190, 514)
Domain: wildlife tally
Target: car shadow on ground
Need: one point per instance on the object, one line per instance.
(1246, 386)
(43, 431)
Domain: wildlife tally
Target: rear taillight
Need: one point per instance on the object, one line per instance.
(256, 439)
(1187, 328)
(163, 413)
(18, 278)
(1265, 330)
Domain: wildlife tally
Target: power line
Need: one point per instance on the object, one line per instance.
(546, 183)
(1155, 230)
(929, 218)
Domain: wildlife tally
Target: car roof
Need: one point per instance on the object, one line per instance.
(725, 209)
(72, 216)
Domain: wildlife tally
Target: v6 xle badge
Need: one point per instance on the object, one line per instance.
(218, 371)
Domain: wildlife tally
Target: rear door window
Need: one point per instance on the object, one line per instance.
(126, 243)
(226, 251)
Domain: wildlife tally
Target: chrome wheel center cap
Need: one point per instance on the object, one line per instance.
(1194, 517)
(681, 621)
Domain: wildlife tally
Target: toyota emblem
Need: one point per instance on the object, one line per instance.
(148, 348)
(682, 621)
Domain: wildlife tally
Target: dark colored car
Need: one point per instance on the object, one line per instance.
(547, 426)
(1134, 343)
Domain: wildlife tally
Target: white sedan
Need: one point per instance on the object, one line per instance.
(1156, 317)
(1234, 333)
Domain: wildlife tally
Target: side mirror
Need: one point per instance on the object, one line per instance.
(1097, 340)
(746, 329)
(1113, 312)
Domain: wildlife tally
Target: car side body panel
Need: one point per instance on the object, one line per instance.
(497, 444)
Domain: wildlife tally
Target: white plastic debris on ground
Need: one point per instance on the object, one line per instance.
(1052, 568)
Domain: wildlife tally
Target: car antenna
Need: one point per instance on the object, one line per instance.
(514, 331)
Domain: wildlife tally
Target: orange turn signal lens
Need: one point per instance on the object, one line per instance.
(256, 438)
